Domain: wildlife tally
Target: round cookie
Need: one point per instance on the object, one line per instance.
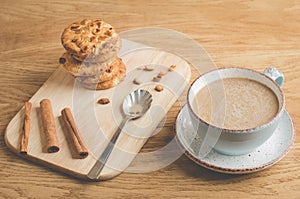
(77, 68)
(91, 41)
(100, 72)
(117, 70)
(107, 84)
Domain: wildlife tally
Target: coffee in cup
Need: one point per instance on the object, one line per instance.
(248, 103)
(235, 110)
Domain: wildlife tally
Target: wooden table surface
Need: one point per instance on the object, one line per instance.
(252, 34)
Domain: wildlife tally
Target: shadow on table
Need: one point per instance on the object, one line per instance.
(193, 170)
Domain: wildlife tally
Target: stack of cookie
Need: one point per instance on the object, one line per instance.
(91, 54)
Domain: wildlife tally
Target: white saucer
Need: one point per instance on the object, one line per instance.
(273, 150)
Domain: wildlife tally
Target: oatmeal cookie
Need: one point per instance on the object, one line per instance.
(117, 70)
(107, 84)
(91, 41)
(102, 71)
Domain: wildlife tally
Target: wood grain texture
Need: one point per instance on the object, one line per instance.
(252, 34)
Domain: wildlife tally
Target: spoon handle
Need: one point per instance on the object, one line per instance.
(100, 163)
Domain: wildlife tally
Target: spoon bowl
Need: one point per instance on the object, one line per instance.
(137, 103)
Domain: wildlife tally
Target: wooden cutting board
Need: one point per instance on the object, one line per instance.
(97, 123)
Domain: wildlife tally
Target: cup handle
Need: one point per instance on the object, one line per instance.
(275, 74)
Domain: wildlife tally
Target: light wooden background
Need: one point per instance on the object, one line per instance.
(251, 34)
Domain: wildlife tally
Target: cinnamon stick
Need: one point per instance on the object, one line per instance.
(49, 126)
(74, 134)
(26, 128)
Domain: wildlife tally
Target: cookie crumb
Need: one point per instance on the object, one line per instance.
(157, 78)
(103, 101)
(137, 81)
(161, 73)
(159, 88)
(172, 67)
(148, 68)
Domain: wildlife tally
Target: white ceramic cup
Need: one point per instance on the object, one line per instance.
(236, 142)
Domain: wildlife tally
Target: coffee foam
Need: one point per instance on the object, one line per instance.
(236, 103)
